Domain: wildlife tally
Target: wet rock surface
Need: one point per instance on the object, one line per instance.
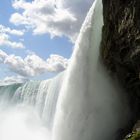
(120, 48)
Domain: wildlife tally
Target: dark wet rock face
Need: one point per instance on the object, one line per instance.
(120, 46)
(120, 50)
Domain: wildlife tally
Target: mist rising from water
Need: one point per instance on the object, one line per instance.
(27, 110)
(22, 123)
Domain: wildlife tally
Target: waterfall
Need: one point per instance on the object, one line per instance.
(7, 92)
(82, 103)
(40, 95)
(27, 110)
(90, 106)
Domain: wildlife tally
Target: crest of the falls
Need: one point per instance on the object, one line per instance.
(90, 105)
(7, 92)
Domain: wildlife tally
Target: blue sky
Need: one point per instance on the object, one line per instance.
(37, 37)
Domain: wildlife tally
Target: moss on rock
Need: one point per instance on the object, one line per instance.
(133, 136)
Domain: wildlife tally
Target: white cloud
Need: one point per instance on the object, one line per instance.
(5, 41)
(58, 18)
(57, 63)
(3, 55)
(17, 65)
(5, 37)
(32, 64)
(12, 80)
(4, 29)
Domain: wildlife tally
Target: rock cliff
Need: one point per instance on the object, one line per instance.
(120, 47)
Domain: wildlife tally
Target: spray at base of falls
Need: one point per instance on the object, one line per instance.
(39, 95)
(90, 105)
(27, 110)
(22, 124)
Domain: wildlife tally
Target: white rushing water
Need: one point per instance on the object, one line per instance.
(82, 103)
(90, 106)
(40, 95)
(27, 110)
